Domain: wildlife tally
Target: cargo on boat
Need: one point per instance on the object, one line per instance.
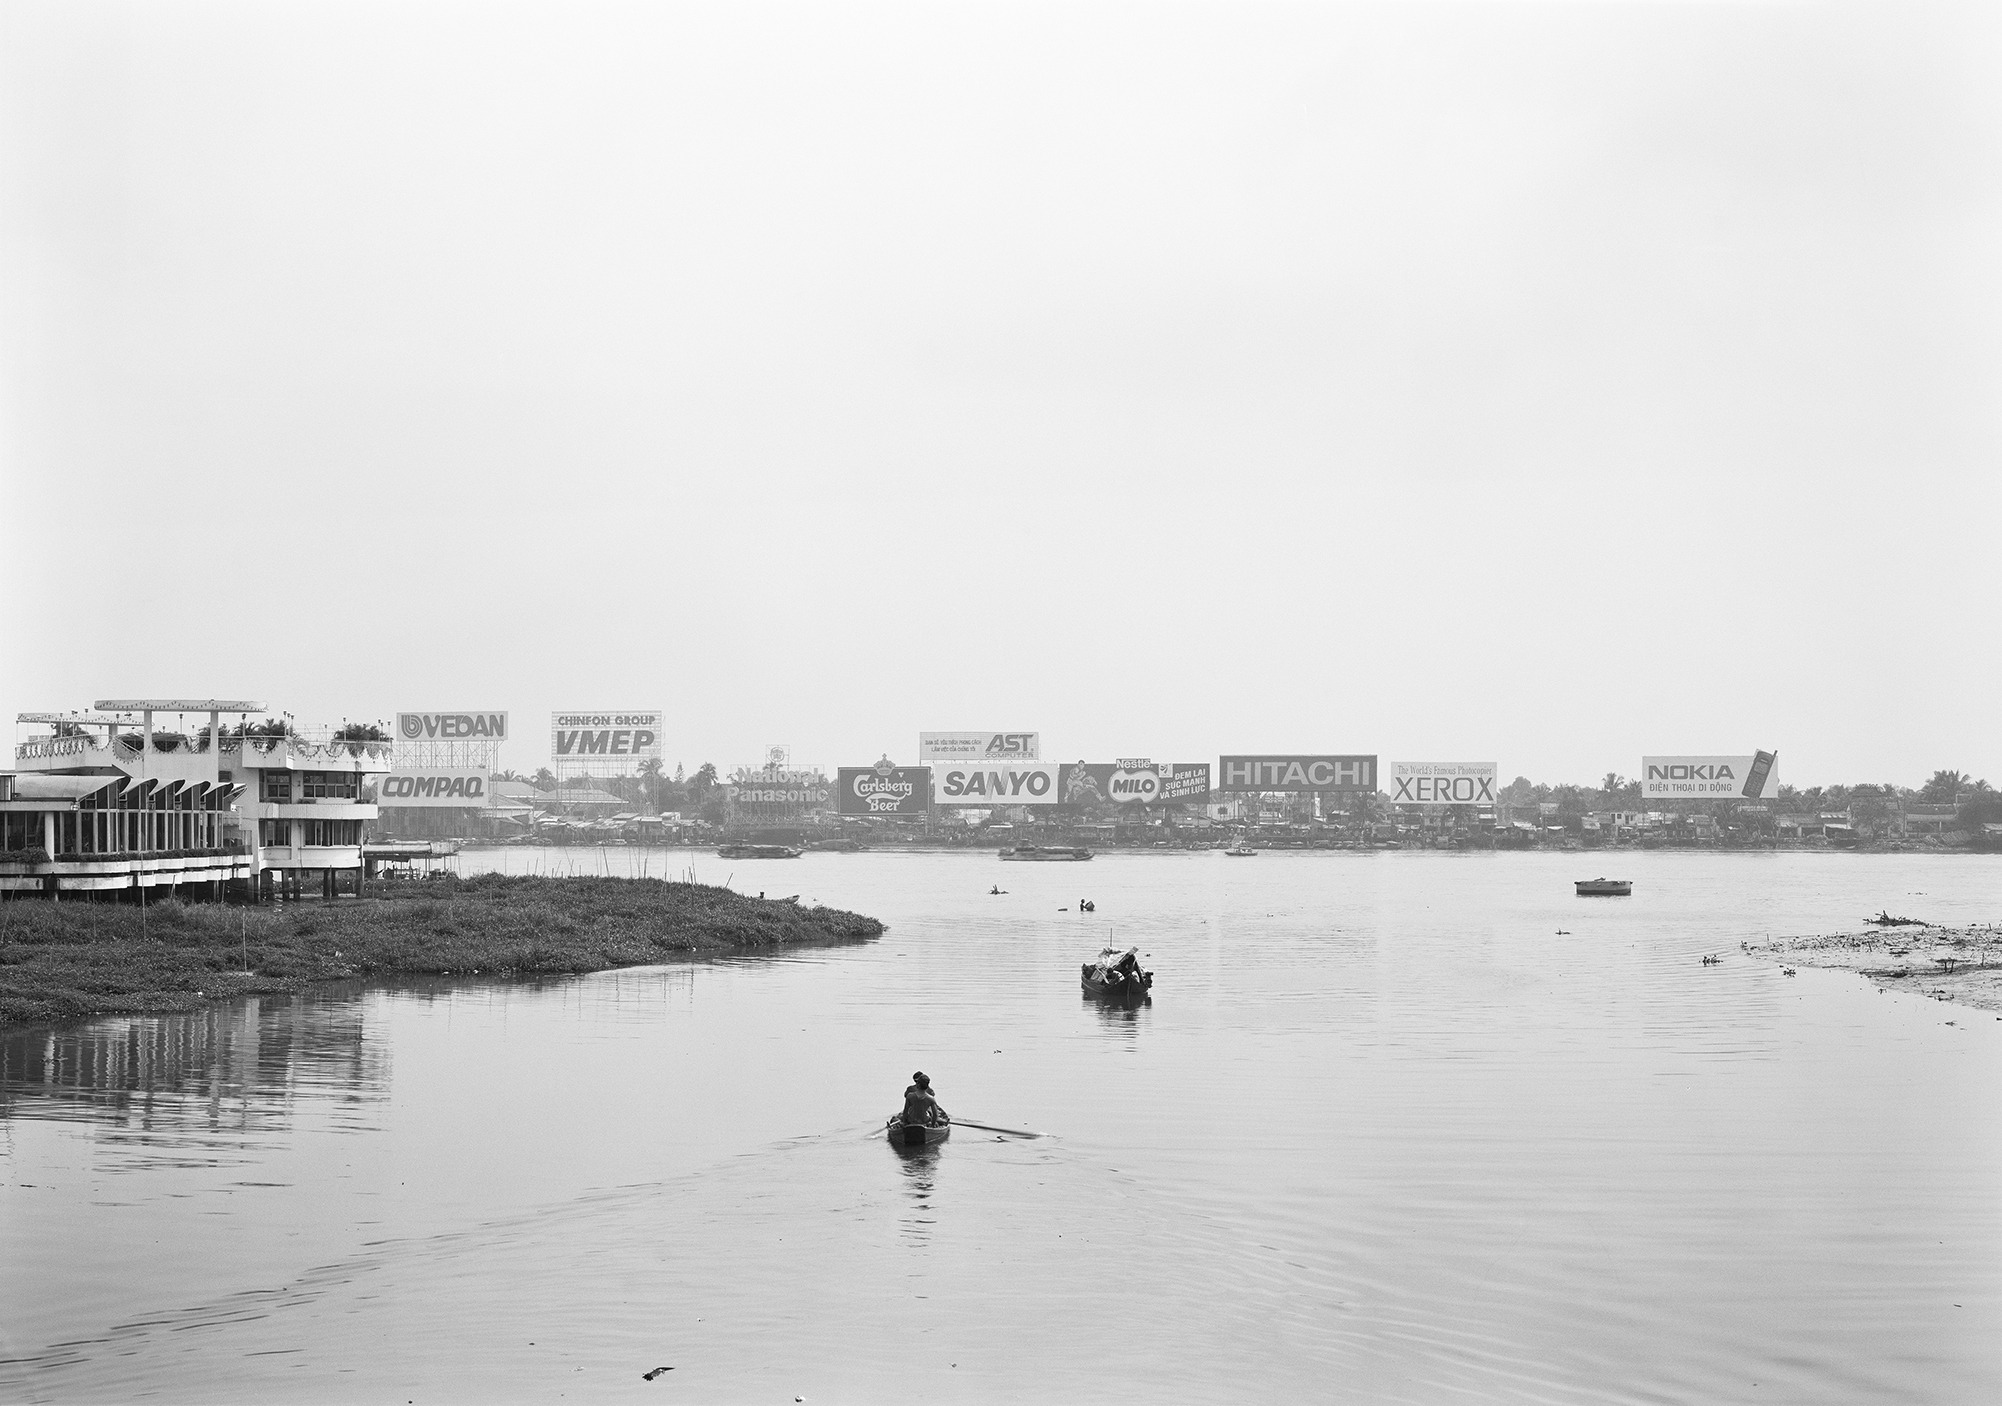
(1605, 888)
(1117, 974)
(757, 852)
(1048, 854)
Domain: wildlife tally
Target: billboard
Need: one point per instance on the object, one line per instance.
(580, 741)
(451, 727)
(797, 794)
(996, 784)
(1750, 778)
(1443, 783)
(432, 787)
(1296, 773)
(878, 790)
(978, 746)
(1132, 780)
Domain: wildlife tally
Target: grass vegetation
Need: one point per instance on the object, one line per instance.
(71, 960)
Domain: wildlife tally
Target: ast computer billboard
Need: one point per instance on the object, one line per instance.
(1750, 778)
(1296, 773)
(978, 746)
(1443, 783)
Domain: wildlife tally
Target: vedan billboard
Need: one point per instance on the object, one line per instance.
(452, 727)
(1443, 783)
(978, 746)
(1132, 781)
(579, 738)
(1296, 773)
(1750, 778)
(893, 790)
(996, 784)
(433, 787)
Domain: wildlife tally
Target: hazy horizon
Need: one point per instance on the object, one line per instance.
(1550, 385)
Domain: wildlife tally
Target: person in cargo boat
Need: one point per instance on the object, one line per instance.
(919, 1105)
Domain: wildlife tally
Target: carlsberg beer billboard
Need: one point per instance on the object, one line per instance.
(1752, 778)
(883, 790)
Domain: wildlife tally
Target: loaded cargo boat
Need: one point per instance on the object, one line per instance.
(1058, 854)
(1605, 888)
(757, 852)
(904, 1134)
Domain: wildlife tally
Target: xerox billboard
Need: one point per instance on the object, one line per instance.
(1443, 783)
(996, 784)
(1133, 781)
(1296, 773)
(433, 787)
(978, 746)
(1694, 778)
(896, 790)
(602, 738)
(452, 727)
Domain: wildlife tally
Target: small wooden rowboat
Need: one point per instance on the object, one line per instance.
(1116, 975)
(1605, 888)
(904, 1134)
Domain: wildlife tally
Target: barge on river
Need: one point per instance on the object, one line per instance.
(1605, 888)
(757, 852)
(1047, 854)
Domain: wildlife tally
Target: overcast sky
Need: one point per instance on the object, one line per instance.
(1549, 384)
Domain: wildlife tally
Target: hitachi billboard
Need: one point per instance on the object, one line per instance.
(1750, 778)
(1296, 773)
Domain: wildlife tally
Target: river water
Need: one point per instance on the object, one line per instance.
(1394, 1128)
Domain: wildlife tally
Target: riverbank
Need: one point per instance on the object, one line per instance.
(1961, 965)
(71, 961)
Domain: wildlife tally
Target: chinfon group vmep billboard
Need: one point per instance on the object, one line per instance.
(883, 790)
(1749, 778)
(610, 743)
(1443, 783)
(995, 784)
(978, 746)
(1131, 781)
(1296, 773)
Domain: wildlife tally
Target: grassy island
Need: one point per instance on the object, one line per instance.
(1961, 965)
(69, 961)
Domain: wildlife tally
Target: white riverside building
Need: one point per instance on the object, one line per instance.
(103, 802)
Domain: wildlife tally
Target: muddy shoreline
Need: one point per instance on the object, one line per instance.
(1962, 965)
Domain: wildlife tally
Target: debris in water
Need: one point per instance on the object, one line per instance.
(649, 1376)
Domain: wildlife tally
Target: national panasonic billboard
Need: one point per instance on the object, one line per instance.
(893, 790)
(1133, 781)
(1749, 778)
(451, 727)
(996, 784)
(433, 787)
(978, 746)
(586, 737)
(1443, 783)
(1296, 773)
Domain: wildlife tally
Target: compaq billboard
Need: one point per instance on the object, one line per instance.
(895, 790)
(1751, 778)
(586, 737)
(1296, 773)
(996, 784)
(1443, 783)
(433, 787)
(978, 746)
(451, 727)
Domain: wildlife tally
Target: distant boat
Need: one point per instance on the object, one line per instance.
(1605, 888)
(1240, 850)
(757, 852)
(1117, 974)
(1048, 854)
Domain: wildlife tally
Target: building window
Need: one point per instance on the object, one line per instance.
(274, 832)
(333, 832)
(276, 786)
(331, 785)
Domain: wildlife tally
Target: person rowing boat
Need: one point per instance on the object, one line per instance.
(921, 1108)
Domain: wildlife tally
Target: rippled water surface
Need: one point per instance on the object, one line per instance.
(1397, 1128)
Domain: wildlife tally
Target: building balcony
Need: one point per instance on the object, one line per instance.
(300, 808)
(309, 857)
(20, 873)
(305, 753)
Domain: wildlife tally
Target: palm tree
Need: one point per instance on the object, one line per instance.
(1944, 786)
(545, 779)
(510, 776)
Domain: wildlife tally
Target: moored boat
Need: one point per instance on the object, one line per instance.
(1048, 854)
(904, 1134)
(757, 852)
(1241, 851)
(1605, 888)
(1116, 974)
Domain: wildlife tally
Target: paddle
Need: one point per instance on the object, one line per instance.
(990, 1128)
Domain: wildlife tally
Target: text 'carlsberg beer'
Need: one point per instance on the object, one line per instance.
(1296, 773)
(880, 790)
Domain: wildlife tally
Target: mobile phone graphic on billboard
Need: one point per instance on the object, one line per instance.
(1755, 779)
